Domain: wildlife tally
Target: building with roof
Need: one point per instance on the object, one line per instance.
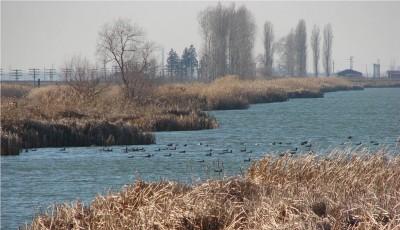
(393, 74)
(349, 73)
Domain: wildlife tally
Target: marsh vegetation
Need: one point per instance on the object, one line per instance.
(342, 190)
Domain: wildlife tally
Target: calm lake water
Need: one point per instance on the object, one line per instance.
(34, 180)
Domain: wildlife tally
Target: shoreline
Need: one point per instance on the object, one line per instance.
(283, 191)
(35, 133)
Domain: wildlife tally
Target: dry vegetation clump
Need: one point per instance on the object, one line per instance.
(57, 115)
(339, 191)
(164, 108)
(231, 92)
(35, 134)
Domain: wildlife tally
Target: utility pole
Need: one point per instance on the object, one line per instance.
(67, 74)
(162, 65)
(34, 72)
(93, 74)
(17, 73)
(51, 72)
(351, 61)
(104, 69)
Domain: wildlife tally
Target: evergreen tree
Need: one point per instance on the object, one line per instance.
(185, 62)
(173, 63)
(193, 63)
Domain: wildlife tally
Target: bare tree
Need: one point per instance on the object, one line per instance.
(242, 31)
(286, 50)
(327, 49)
(82, 76)
(124, 44)
(315, 43)
(228, 41)
(301, 48)
(268, 48)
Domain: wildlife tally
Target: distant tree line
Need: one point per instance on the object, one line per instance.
(228, 36)
(228, 40)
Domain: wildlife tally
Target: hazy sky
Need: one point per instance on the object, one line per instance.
(34, 34)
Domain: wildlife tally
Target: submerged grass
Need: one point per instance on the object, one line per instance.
(343, 190)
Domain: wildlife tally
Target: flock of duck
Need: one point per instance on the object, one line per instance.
(172, 149)
(209, 151)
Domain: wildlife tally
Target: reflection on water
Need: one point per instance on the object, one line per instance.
(354, 119)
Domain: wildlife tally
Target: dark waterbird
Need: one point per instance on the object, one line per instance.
(358, 143)
(374, 142)
(209, 154)
(249, 151)
(170, 144)
(63, 149)
(349, 137)
(293, 151)
(148, 156)
(247, 160)
(131, 156)
(182, 151)
(200, 161)
(304, 142)
(308, 145)
(168, 155)
(172, 148)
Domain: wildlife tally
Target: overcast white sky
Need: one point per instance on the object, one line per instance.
(34, 34)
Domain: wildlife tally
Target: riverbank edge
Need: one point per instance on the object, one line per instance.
(276, 190)
(23, 134)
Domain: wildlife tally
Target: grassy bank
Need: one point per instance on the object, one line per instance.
(339, 191)
(375, 82)
(232, 93)
(164, 108)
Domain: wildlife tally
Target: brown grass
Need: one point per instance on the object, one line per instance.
(340, 191)
(232, 93)
(165, 108)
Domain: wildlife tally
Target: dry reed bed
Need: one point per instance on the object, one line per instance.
(343, 190)
(231, 92)
(165, 108)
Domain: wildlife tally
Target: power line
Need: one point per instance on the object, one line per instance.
(34, 72)
(17, 73)
(51, 73)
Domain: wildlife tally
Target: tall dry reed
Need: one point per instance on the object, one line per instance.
(344, 190)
